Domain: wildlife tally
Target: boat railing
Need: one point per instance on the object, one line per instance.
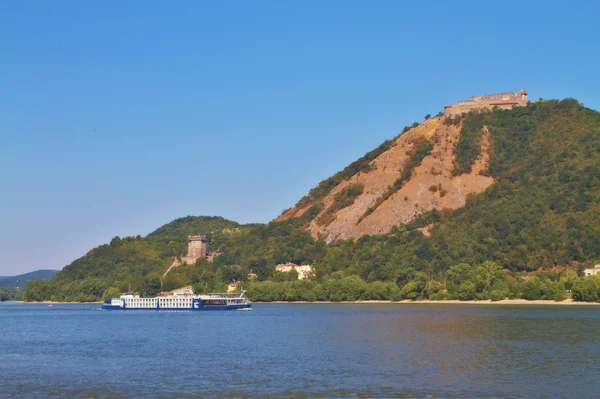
(225, 295)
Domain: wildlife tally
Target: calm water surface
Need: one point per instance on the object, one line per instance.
(301, 351)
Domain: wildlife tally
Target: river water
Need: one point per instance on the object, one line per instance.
(302, 351)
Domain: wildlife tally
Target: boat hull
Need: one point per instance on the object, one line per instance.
(200, 309)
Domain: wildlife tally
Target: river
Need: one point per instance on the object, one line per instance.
(302, 351)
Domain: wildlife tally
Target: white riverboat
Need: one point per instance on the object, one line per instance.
(185, 301)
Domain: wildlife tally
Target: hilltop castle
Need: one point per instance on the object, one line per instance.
(500, 100)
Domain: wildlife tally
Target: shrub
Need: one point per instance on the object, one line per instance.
(498, 295)
(466, 291)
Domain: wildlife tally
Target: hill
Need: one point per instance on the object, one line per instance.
(132, 262)
(22, 280)
(211, 226)
(457, 207)
(410, 175)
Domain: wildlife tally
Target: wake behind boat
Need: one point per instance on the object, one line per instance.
(185, 301)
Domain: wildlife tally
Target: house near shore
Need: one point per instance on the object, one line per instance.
(304, 271)
(252, 275)
(233, 287)
(592, 272)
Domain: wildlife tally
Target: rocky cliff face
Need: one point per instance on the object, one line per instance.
(431, 185)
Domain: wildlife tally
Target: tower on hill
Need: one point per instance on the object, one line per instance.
(196, 248)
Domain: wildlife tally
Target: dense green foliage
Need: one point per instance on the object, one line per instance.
(10, 294)
(487, 281)
(421, 148)
(131, 263)
(587, 289)
(468, 147)
(344, 198)
(543, 211)
(192, 225)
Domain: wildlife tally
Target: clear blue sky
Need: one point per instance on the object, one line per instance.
(120, 116)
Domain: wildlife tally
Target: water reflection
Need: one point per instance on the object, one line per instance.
(303, 351)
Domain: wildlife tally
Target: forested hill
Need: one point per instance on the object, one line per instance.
(132, 261)
(539, 210)
(204, 225)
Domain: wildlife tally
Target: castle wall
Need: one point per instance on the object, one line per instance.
(499, 100)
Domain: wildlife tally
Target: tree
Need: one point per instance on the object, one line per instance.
(37, 291)
(456, 275)
(533, 289)
(352, 288)
(427, 116)
(172, 282)
(110, 293)
(568, 279)
(3, 295)
(487, 273)
(466, 291)
(151, 285)
(586, 289)
(415, 289)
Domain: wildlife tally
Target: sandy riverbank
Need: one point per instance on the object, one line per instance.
(449, 301)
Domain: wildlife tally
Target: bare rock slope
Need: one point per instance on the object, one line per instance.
(431, 186)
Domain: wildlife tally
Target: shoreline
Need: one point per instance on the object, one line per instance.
(566, 302)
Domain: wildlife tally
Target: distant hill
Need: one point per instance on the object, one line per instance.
(510, 190)
(22, 280)
(202, 225)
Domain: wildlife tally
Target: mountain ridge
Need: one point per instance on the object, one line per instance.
(536, 206)
(18, 280)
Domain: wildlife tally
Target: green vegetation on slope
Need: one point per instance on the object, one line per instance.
(543, 211)
(468, 147)
(341, 200)
(421, 148)
(134, 262)
(204, 225)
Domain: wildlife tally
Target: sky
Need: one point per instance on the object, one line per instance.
(119, 116)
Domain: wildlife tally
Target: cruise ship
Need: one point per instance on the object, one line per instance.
(184, 301)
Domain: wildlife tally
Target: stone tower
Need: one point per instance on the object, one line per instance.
(522, 95)
(196, 247)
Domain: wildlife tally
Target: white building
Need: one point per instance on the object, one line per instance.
(304, 271)
(592, 272)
